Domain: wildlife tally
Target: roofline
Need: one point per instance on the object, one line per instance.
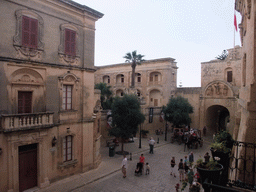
(146, 61)
(83, 8)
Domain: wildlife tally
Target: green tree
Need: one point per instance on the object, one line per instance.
(135, 59)
(223, 55)
(126, 116)
(177, 111)
(105, 96)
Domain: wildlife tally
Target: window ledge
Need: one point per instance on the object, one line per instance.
(68, 111)
(67, 164)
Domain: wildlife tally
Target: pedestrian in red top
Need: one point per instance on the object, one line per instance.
(142, 161)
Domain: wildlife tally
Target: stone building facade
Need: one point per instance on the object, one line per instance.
(154, 82)
(215, 102)
(49, 123)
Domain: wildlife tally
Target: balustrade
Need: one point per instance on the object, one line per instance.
(17, 121)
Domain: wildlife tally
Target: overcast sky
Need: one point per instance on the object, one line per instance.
(190, 31)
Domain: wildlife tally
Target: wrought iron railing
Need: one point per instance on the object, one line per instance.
(242, 165)
(241, 169)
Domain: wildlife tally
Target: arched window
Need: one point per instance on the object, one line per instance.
(155, 78)
(106, 79)
(120, 78)
(138, 77)
(119, 93)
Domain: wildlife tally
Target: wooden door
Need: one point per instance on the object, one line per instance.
(27, 167)
(24, 102)
(155, 102)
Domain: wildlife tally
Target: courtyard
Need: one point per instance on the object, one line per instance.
(108, 176)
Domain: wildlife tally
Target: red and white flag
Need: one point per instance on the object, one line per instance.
(235, 23)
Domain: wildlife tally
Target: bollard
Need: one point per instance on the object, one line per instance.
(130, 156)
(158, 140)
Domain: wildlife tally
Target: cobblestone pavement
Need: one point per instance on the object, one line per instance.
(158, 180)
(108, 177)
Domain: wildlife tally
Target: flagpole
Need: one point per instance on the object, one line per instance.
(234, 25)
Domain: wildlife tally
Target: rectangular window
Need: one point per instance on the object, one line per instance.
(70, 42)
(24, 102)
(156, 77)
(67, 97)
(29, 32)
(151, 78)
(122, 79)
(108, 80)
(67, 148)
(229, 76)
(138, 79)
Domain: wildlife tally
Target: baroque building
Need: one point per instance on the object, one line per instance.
(215, 102)
(154, 81)
(49, 110)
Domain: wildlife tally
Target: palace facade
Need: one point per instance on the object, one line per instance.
(49, 110)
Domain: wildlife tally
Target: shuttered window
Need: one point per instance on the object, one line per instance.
(70, 42)
(29, 32)
(67, 97)
(24, 102)
(229, 76)
(67, 148)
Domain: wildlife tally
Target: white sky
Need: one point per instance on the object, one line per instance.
(190, 31)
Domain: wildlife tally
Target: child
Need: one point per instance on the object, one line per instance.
(147, 169)
(172, 166)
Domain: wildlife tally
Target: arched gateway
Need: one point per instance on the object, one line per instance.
(217, 118)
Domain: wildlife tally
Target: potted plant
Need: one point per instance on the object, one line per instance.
(210, 170)
(222, 146)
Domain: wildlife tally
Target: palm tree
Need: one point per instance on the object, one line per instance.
(135, 60)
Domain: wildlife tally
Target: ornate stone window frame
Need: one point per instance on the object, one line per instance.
(70, 79)
(22, 51)
(72, 163)
(64, 58)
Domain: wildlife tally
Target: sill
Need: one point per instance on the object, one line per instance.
(67, 164)
(68, 111)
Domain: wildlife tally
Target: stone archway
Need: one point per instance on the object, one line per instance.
(217, 118)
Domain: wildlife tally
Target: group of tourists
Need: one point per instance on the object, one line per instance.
(140, 165)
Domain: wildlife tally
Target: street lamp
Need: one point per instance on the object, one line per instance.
(140, 138)
(166, 126)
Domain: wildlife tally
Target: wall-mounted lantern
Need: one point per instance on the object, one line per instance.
(54, 141)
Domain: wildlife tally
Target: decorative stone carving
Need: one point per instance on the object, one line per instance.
(97, 107)
(249, 5)
(217, 89)
(209, 91)
(24, 52)
(225, 90)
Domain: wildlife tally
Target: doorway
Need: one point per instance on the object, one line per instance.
(27, 166)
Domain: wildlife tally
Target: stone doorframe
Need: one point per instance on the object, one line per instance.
(18, 139)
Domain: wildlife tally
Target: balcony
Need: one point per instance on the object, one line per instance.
(18, 122)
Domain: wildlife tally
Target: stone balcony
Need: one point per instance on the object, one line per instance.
(19, 122)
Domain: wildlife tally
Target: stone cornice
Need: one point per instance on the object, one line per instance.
(83, 8)
(24, 61)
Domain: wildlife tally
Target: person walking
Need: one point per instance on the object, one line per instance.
(204, 130)
(191, 158)
(172, 166)
(124, 166)
(206, 157)
(151, 145)
(181, 169)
